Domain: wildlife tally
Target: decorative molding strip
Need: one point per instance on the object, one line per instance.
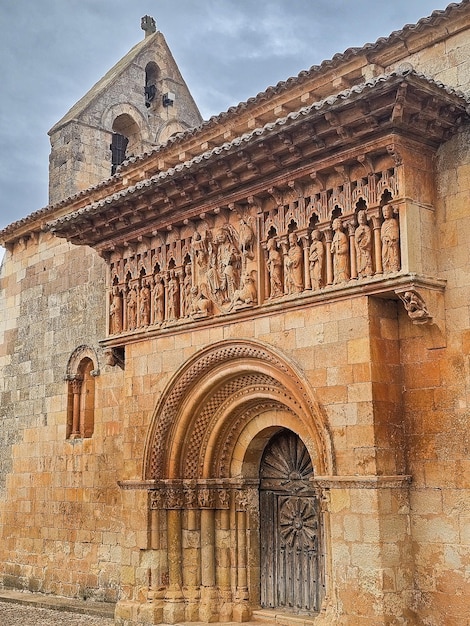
(363, 482)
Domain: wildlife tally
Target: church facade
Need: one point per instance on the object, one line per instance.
(234, 353)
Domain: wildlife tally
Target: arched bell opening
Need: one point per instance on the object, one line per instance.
(125, 140)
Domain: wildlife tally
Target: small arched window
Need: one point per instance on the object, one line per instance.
(81, 394)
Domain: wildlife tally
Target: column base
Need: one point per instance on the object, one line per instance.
(208, 611)
(225, 605)
(173, 607)
(241, 608)
(192, 598)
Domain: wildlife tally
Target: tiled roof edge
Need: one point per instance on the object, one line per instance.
(404, 70)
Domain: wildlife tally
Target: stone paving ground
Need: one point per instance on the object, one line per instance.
(12, 614)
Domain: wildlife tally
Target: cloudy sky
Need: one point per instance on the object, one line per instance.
(53, 51)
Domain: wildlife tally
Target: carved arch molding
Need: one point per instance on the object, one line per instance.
(213, 399)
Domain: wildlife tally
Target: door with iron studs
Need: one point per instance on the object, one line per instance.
(291, 579)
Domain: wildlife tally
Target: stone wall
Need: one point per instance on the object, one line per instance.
(60, 521)
(435, 386)
(445, 61)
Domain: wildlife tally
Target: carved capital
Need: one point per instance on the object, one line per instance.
(76, 385)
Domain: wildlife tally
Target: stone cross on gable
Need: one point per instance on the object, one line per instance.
(147, 23)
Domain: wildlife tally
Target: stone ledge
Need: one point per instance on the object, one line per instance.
(58, 603)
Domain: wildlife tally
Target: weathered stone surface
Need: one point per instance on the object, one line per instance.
(147, 371)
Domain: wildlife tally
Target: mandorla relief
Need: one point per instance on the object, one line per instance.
(256, 253)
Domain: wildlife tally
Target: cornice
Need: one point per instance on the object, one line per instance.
(404, 102)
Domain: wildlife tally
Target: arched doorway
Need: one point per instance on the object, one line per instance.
(291, 572)
(225, 414)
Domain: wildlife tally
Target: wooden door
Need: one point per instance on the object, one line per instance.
(289, 527)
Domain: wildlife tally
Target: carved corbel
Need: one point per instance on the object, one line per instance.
(234, 177)
(145, 240)
(276, 194)
(418, 310)
(399, 106)
(236, 207)
(247, 160)
(124, 220)
(396, 156)
(117, 250)
(169, 202)
(415, 306)
(269, 154)
(191, 180)
(214, 184)
(335, 123)
(318, 178)
(370, 119)
(105, 254)
(311, 131)
(343, 171)
(113, 357)
(298, 188)
(131, 246)
(287, 140)
(34, 237)
(256, 203)
(367, 163)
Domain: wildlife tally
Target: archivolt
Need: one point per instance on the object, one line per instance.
(77, 356)
(209, 401)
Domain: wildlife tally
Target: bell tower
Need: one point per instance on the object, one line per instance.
(138, 105)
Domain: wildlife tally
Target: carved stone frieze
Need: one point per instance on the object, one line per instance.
(198, 495)
(285, 243)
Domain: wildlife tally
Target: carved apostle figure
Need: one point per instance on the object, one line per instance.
(132, 309)
(247, 239)
(173, 296)
(363, 240)
(274, 264)
(199, 250)
(186, 291)
(340, 252)
(390, 236)
(144, 309)
(293, 277)
(158, 301)
(316, 259)
(115, 312)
